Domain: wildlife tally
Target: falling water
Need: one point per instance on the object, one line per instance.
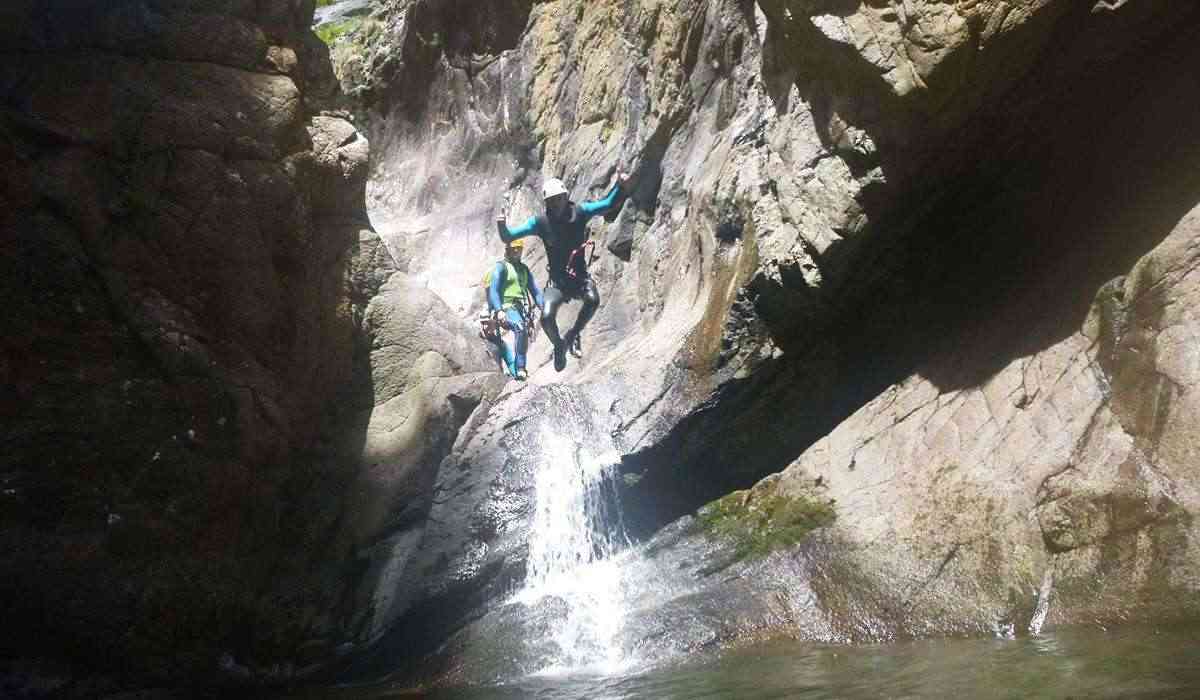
(574, 547)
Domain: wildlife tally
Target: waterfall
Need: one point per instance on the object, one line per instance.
(576, 539)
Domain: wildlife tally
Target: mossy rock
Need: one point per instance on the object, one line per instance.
(762, 520)
(331, 32)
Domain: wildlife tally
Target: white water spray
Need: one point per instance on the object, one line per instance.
(575, 539)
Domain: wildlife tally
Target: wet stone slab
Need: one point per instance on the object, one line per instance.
(341, 11)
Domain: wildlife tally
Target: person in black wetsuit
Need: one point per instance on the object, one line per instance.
(563, 230)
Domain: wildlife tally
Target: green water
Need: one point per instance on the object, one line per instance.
(1136, 662)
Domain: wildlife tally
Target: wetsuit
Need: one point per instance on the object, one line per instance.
(510, 298)
(568, 273)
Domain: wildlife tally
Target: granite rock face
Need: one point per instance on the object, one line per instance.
(829, 197)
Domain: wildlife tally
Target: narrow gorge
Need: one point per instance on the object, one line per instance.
(896, 337)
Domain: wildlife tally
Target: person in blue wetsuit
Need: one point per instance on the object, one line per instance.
(563, 230)
(511, 287)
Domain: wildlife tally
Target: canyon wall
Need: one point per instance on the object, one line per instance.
(829, 199)
(187, 280)
(923, 266)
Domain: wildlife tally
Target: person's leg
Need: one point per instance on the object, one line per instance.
(553, 298)
(496, 349)
(520, 338)
(591, 301)
(507, 354)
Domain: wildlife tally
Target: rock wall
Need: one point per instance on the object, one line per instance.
(1029, 464)
(198, 322)
(1037, 459)
(241, 424)
(827, 194)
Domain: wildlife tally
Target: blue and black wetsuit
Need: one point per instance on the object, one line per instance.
(515, 313)
(568, 273)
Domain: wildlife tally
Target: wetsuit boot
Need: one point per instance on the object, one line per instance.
(560, 356)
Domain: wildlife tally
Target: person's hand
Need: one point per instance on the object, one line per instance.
(623, 179)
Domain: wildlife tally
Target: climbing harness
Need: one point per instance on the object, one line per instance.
(491, 327)
(589, 256)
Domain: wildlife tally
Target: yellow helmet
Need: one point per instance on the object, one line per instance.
(519, 244)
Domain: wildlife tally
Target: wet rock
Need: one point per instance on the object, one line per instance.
(342, 10)
(467, 553)
(514, 641)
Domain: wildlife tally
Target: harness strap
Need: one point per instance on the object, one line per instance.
(591, 253)
(491, 328)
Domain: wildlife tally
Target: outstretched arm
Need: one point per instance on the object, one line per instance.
(499, 278)
(610, 200)
(508, 235)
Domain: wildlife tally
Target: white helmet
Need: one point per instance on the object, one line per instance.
(553, 187)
